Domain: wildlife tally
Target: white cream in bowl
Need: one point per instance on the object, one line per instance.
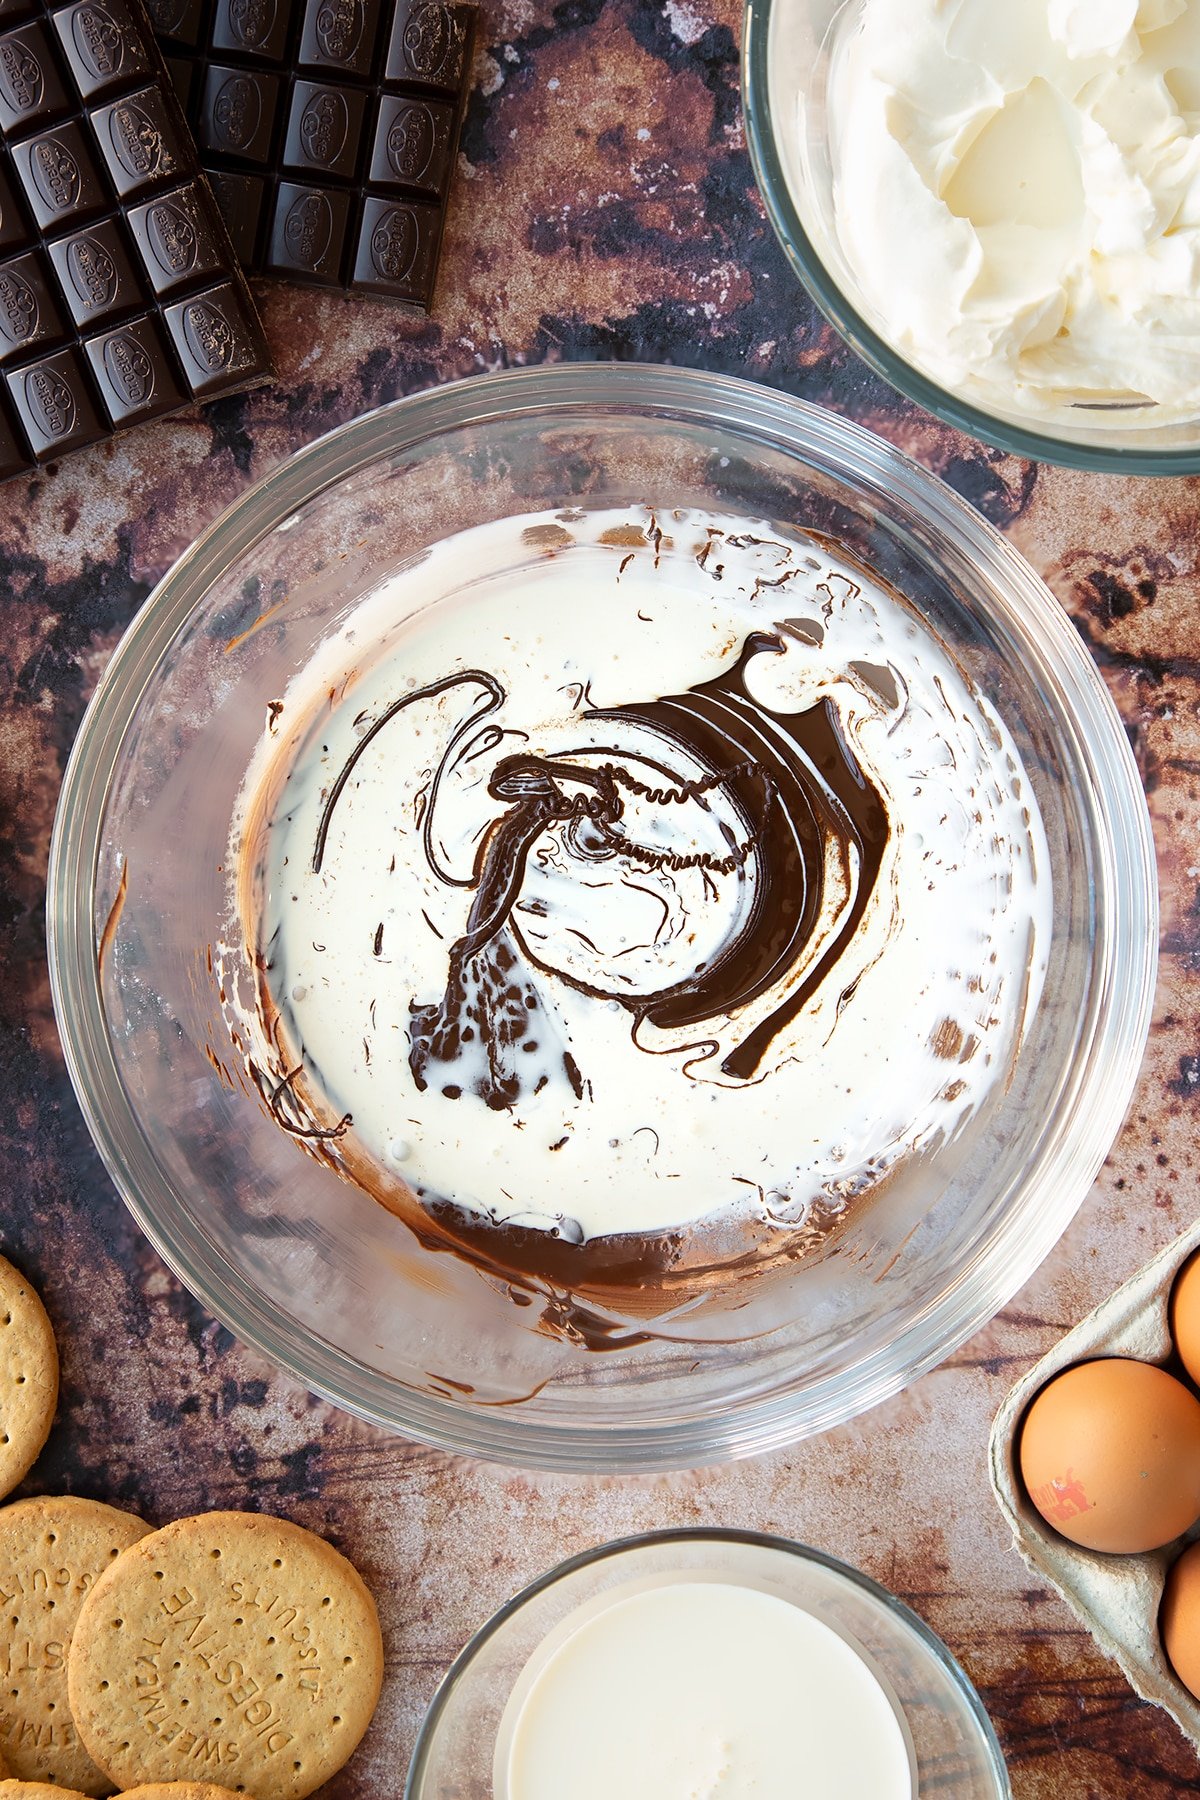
(1017, 194)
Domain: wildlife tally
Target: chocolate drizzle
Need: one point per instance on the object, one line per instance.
(815, 790)
(493, 701)
(795, 791)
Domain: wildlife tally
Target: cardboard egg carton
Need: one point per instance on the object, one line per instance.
(1117, 1597)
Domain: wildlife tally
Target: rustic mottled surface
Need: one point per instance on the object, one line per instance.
(606, 210)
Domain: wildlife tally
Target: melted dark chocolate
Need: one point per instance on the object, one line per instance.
(795, 788)
(795, 785)
(721, 724)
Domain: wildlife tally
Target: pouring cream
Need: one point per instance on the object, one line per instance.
(700, 1690)
(630, 891)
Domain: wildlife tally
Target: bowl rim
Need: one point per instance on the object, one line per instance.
(762, 1540)
(1108, 1062)
(836, 306)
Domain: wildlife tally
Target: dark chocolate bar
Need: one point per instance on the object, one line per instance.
(328, 129)
(120, 294)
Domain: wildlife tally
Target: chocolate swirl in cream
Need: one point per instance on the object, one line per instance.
(794, 788)
(615, 982)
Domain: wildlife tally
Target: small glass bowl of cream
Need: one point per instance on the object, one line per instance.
(684, 1662)
(998, 208)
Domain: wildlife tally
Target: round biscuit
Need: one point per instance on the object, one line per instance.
(180, 1790)
(51, 1552)
(232, 1646)
(28, 1377)
(37, 1790)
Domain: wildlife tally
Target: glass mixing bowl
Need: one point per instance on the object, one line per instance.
(311, 1270)
(953, 1746)
(785, 86)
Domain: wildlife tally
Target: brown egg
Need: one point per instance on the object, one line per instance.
(1185, 1316)
(1179, 1619)
(1110, 1455)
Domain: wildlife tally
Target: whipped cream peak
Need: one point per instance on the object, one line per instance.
(1091, 27)
(1017, 192)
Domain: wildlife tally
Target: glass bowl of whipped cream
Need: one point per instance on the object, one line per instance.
(694, 1661)
(998, 207)
(603, 918)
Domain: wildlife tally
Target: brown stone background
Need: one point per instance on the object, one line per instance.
(605, 209)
